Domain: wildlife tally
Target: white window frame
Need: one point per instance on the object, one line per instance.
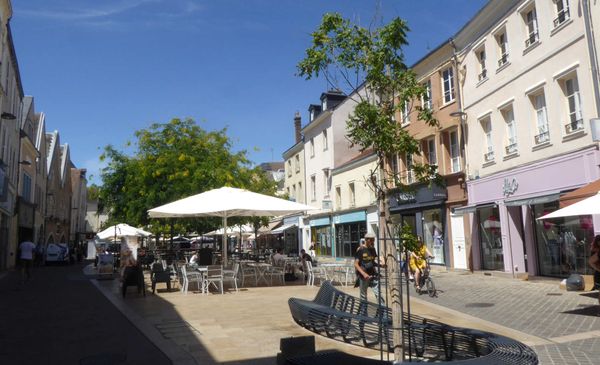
(405, 114)
(573, 104)
(541, 127)
(431, 152)
(481, 56)
(427, 103)
(486, 126)
(511, 130)
(352, 194)
(409, 168)
(502, 46)
(454, 152)
(563, 12)
(531, 26)
(448, 94)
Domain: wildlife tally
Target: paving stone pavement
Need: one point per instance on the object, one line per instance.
(568, 320)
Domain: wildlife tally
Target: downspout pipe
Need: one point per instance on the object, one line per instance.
(589, 34)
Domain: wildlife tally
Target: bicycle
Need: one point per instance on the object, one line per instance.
(426, 284)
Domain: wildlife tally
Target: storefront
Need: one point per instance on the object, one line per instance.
(320, 233)
(424, 210)
(504, 207)
(349, 229)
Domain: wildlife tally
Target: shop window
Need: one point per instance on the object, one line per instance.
(348, 236)
(490, 239)
(321, 240)
(562, 243)
(433, 234)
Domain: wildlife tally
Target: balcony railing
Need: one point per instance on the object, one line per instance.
(542, 137)
(563, 16)
(511, 148)
(487, 157)
(533, 38)
(482, 75)
(574, 126)
(503, 60)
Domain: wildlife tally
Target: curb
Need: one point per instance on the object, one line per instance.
(167, 347)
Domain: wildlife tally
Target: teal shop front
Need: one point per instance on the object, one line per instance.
(349, 229)
(320, 236)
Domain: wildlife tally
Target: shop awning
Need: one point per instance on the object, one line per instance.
(282, 228)
(532, 200)
(583, 192)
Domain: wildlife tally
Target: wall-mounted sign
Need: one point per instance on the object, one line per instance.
(509, 187)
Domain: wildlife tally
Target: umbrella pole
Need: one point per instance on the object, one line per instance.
(225, 240)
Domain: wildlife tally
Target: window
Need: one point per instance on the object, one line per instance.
(511, 131)
(488, 154)
(300, 196)
(542, 133)
(326, 181)
(454, 152)
(431, 153)
(352, 195)
(325, 142)
(312, 147)
(294, 193)
(562, 12)
(448, 85)
(313, 188)
(394, 165)
(409, 169)
(297, 163)
(338, 197)
(426, 99)
(26, 189)
(289, 168)
(481, 60)
(324, 104)
(502, 49)
(405, 113)
(531, 27)
(575, 120)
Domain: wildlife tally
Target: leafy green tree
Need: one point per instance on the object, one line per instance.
(368, 64)
(171, 161)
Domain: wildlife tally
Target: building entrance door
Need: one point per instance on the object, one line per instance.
(459, 251)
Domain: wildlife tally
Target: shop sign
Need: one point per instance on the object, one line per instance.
(509, 187)
(423, 195)
(405, 198)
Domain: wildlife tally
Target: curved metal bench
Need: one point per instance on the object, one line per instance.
(343, 317)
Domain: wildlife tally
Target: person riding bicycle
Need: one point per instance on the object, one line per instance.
(418, 261)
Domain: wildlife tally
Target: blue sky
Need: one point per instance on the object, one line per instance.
(101, 70)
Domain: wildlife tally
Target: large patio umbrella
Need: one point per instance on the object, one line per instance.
(589, 206)
(122, 230)
(227, 202)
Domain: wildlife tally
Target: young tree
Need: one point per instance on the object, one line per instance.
(368, 64)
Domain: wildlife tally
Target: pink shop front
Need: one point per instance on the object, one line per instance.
(503, 208)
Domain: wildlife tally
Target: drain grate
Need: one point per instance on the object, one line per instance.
(177, 328)
(554, 294)
(479, 305)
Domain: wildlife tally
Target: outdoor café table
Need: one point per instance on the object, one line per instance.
(204, 284)
(261, 268)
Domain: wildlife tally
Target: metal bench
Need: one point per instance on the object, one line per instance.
(343, 317)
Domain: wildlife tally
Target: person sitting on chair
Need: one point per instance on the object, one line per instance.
(194, 259)
(127, 261)
(418, 261)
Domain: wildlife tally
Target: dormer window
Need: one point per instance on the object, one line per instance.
(324, 104)
(312, 115)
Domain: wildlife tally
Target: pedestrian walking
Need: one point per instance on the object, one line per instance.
(27, 249)
(365, 262)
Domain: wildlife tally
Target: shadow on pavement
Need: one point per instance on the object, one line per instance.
(592, 311)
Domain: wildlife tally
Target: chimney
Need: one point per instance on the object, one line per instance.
(298, 126)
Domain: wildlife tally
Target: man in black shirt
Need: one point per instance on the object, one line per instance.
(365, 263)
